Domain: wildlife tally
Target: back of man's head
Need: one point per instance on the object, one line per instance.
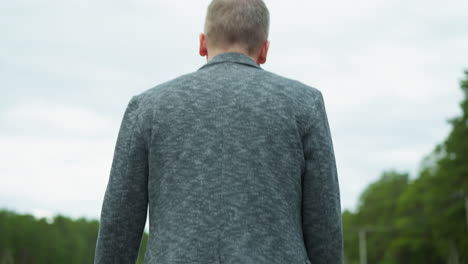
(243, 23)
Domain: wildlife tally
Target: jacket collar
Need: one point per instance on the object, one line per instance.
(233, 57)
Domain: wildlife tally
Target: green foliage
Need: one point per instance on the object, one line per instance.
(419, 221)
(26, 239)
(376, 211)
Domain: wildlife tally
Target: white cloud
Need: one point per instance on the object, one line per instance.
(56, 174)
(65, 120)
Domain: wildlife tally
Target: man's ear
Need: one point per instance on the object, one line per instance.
(203, 50)
(262, 56)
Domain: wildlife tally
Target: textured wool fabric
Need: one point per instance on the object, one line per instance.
(236, 166)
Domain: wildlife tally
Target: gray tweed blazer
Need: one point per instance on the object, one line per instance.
(235, 165)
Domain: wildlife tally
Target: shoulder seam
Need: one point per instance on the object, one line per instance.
(136, 100)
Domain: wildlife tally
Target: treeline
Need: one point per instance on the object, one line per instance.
(425, 220)
(25, 239)
(397, 221)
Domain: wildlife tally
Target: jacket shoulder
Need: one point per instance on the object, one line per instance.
(142, 104)
(164, 86)
(306, 100)
(295, 86)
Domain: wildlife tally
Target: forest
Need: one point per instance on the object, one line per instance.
(424, 220)
(397, 220)
(26, 239)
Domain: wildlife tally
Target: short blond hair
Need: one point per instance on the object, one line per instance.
(237, 22)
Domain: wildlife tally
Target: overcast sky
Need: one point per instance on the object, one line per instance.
(389, 71)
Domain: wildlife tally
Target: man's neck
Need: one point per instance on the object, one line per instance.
(213, 53)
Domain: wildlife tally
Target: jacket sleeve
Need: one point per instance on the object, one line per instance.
(124, 209)
(321, 210)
